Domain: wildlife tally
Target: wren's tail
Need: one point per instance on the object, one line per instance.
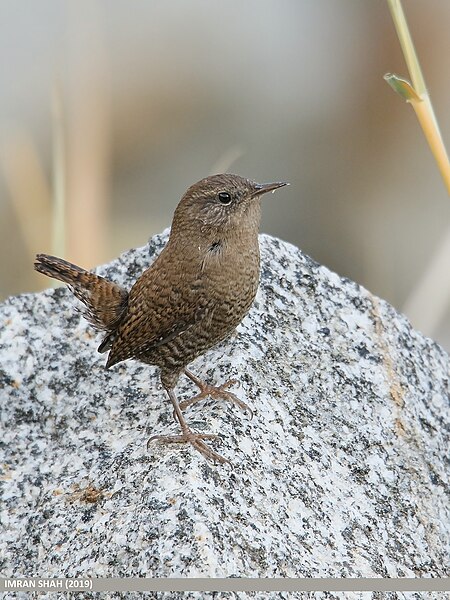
(105, 302)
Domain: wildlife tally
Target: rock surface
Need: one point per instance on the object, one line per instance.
(340, 473)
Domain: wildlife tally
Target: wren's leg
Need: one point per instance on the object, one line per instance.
(187, 435)
(217, 392)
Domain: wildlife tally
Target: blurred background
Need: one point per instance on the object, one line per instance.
(119, 106)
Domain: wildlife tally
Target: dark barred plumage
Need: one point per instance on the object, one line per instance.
(192, 297)
(105, 302)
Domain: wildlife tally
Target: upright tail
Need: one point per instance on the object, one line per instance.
(105, 302)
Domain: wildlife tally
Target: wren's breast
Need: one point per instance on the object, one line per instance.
(231, 280)
(227, 284)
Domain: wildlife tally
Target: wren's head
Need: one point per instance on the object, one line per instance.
(221, 204)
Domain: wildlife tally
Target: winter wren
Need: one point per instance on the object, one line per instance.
(193, 296)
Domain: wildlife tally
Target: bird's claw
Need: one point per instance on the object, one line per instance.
(217, 393)
(196, 440)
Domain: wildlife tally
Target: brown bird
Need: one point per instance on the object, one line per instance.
(192, 297)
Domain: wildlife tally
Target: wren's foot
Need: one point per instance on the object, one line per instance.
(196, 440)
(187, 435)
(216, 392)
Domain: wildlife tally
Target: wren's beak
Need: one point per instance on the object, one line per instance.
(264, 188)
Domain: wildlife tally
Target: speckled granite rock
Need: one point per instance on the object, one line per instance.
(341, 472)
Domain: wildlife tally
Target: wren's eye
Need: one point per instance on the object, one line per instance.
(224, 198)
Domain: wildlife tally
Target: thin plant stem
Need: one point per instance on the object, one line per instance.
(417, 94)
(58, 174)
(409, 52)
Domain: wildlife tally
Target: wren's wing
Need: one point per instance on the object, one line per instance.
(158, 310)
